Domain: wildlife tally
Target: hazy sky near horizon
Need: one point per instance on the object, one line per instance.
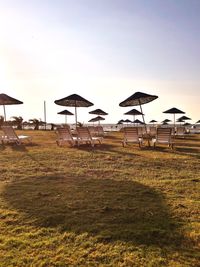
(103, 50)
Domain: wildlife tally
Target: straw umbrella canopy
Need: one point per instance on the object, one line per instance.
(98, 112)
(128, 121)
(174, 111)
(7, 100)
(166, 121)
(184, 118)
(198, 121)
(74, 101)
(138, 121)
(120, 122)
(138, 99)
(98, 118)
(133, 112)
(66, 113)
(153, 121)
(180, 120)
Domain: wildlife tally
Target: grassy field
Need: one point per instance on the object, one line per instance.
(107, 206)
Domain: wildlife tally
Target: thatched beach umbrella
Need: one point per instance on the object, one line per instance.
(153, 121)
(198, 121)
(7, 100)
(138, 99)
(98, 112)
(174, 111)
(127, 121)
(184, 118)
(120, 122)
(180, 120)
(138, 121)
(98, 118)
(66, 113)
(133, 112)
(166, 121)
(74, 101)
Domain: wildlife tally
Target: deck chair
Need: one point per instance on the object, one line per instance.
(131, 136)
(93, 130)
(152, 131)
(84, 136)
(64, 135)
(141, 130)
(163, 136)
(10, 136)
(180, 131)
(100, 131)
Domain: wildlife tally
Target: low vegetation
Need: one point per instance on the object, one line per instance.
(102, 206)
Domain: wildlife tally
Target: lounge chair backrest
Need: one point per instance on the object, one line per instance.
(93, 130)
(64, 133)
(100, 130)
(84, 133)
(152, 130)
(180, 130)
(140, 130)
(65, 126)
(164, 134)
(9, 133)
(131, 134)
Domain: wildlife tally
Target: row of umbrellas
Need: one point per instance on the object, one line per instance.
(74, 100)
(95, 112)
(181, 119)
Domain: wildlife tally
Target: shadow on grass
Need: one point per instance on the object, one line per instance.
(107, 209)
(179, 149)
(15, 147)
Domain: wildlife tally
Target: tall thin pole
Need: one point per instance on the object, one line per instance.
(75, 114)
(45, 116)
(144, 122)
(4, 110)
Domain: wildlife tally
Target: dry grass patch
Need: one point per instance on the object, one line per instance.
(107, 206)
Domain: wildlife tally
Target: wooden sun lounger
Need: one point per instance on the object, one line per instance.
(10, 136)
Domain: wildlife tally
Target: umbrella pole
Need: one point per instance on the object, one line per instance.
(144, 122)
(65, 119)
(4, 109)
(75, 114)
(143, 118)
(174, 124)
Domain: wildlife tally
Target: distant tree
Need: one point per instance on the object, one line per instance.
(79, 124)
(1, 121)
(52, 126)
(18, 121)
(36, 123)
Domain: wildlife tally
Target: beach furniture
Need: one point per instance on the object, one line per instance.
(180, 131)
(163, 136)
(84, 136)
(93, 130)
(141, 130)
(64, 135)
(10, 136)
(152, 131)
(131, 136)
(100, 131)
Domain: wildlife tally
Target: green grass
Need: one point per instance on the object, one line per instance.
(107, 206)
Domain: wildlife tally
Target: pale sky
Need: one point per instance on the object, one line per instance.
(103, 50)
